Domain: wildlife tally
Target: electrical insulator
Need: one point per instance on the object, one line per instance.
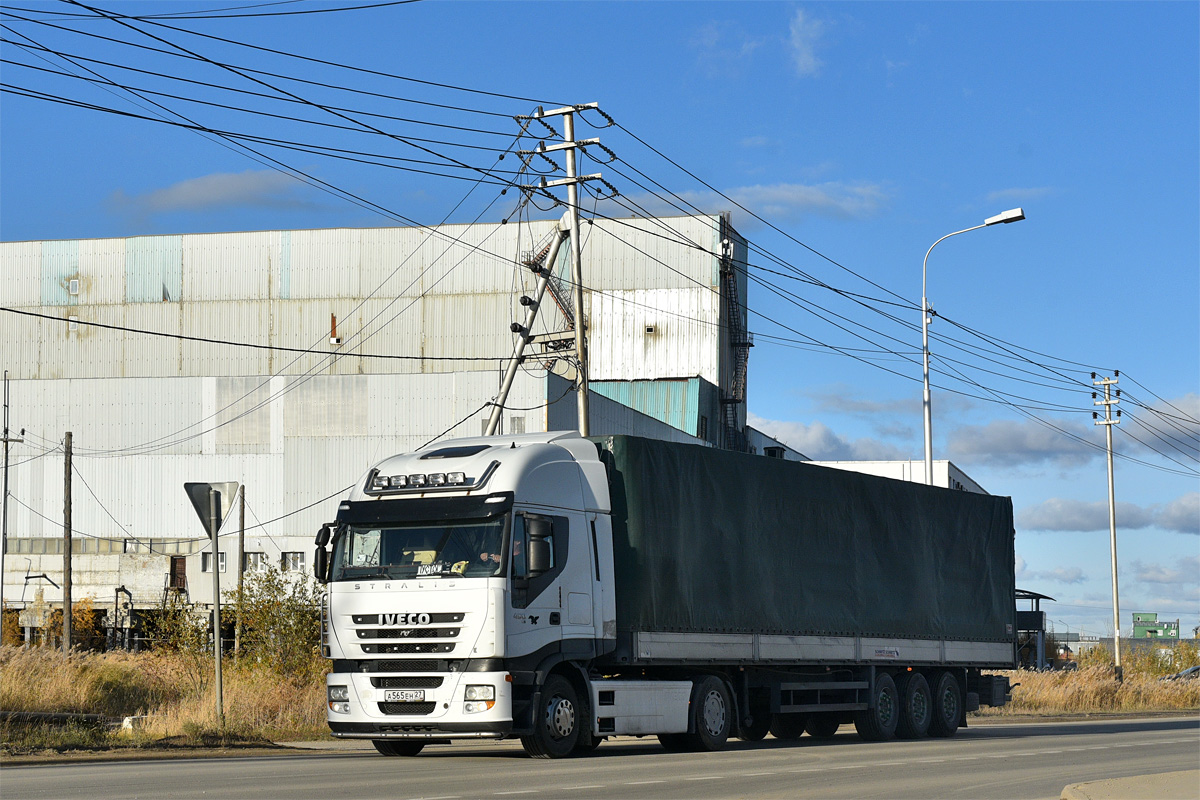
(526, 300)
(516, 327)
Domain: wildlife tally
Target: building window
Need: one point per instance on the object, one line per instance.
(516, 425)
(255, 562)
(206, 562)
(292, 562)
(702, 428)
(773, 452)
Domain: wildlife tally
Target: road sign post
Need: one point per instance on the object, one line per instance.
(212, 502)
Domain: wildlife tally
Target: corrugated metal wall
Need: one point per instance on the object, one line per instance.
(447, 295)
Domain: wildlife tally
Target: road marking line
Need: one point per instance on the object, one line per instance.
(757, 774)
(592, 786)
(707, 778)
(520, 791)
(931, 761)
(642, 783)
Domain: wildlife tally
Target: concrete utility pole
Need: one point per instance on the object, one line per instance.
(8, 440)
(572, 181)
(66, 625)
(581, 386)
(214, 515)
(1108, 402)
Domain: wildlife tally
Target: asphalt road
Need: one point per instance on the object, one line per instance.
(984, 761)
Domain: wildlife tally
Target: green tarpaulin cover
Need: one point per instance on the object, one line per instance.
(718, 542)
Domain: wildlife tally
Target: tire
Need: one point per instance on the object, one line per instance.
(916, 706)
(878, 723)
(556, 722)
(757, 730)
(674, 742)
(712, 715)
(393, 747)
(583, 747)
(788, 726)
(823, 726)
(946, 705)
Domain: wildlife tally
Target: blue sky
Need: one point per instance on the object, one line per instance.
(863, 130)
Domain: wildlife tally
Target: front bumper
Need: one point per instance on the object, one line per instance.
(447, 719)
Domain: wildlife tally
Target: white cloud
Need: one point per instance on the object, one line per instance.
(1181, 515)
(805, 34)
(223, 190)
(1009, 443)
(1186, 571)
(1057, 575)
(820, 443)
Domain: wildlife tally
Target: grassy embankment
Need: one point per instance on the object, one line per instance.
(1094, 689)
(261, 704)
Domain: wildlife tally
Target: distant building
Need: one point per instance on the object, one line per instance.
(1146, 625)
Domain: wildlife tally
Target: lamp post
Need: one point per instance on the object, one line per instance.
(1012, 215)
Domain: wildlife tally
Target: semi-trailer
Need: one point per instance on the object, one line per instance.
(565, 590)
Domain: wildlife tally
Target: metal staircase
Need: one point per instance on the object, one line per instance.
(740, 342)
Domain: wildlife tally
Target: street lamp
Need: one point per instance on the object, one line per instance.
(1012, 215)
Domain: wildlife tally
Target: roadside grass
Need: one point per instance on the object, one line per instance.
(173, 702)
(1094, 688)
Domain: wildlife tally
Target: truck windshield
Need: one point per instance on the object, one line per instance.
(466, 548)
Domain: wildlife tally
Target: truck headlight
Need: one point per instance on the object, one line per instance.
(337, 693)
(481, 692)
(479, 698)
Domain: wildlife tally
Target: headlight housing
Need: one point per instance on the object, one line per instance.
(479, 698)
(339, 693)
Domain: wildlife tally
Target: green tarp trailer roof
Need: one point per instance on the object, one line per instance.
(711, 541)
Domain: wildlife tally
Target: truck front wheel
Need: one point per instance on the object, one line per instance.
(712, 715)
(556, 724)
(878, 723)
(391, 747)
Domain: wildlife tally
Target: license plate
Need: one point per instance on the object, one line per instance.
(404, 696)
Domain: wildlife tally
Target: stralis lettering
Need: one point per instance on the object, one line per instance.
(403, 619)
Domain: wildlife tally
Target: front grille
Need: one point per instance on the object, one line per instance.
(407, 633)
(411, 665)
(414, 647)
(407, 708)
(382, 619)
(408, 682)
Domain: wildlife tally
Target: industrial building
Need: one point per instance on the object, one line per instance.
(290, 361)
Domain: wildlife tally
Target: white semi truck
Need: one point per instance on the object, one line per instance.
(565, 590)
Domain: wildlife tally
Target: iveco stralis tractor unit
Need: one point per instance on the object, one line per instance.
(565, 590)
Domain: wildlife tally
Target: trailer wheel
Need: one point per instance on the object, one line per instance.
(946, 705)
(788, 726)
(823, 726)
(916, 706)
(389, 747)
(556, 726)
(878, 723)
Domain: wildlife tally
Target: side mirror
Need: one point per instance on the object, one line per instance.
(321, 565)
(539, 557)
(323, 535)
(540, 531)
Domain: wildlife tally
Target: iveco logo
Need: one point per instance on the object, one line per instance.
(403, 619)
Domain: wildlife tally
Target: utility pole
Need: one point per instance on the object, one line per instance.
(66, 626)
(241, 568)
(1108, 402)
(572, 181)
(8, 440)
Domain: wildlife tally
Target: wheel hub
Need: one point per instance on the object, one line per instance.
(714, 713)
(560, 718)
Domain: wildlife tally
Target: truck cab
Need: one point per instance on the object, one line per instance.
(459, 577)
